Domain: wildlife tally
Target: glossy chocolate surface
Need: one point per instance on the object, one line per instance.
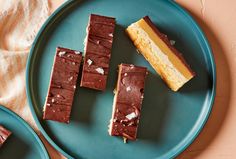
(62, 85)
(128, 102)
(98, 45)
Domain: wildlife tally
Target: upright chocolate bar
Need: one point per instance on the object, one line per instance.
(62, 85)
(98, 44)
(127, 101)
(4, 134)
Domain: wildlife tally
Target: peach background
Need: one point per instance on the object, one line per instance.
(217, 19)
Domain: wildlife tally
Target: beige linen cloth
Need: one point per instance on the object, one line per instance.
(20, 20)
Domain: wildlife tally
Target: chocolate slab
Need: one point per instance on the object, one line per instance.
(4, 134)
(167, 41)
(62, 85)
(128, 101)
(98, 45)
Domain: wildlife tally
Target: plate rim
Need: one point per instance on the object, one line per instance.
(200, 33)
(28, 128)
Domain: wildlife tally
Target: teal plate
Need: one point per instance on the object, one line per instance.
(170, 120)
(24, 142)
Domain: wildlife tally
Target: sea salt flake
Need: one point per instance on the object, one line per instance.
(77, 52)
(61, 53)
(111, 35)
(128, 89)
(125, 74)
(131, 116)
(89, 62)
(172, 42)
(71, 78)
(100, 70)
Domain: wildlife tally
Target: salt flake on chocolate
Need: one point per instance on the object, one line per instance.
(172, 42)
(131, 116)
(61, 53)
(77, 52)
(131, 66)
(100, 70)
(128, 89)
(89, 62)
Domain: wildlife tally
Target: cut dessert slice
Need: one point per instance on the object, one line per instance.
(98, 44)
(4, 134)
(62, 85)
(157, 50)
(127, 101)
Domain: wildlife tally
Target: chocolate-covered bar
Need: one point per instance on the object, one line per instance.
(159, 52)
(127, 101)
(62, 85)
(98, 44)
(4, 134)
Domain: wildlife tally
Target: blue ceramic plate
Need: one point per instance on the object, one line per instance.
(170, 120)
(24, 142)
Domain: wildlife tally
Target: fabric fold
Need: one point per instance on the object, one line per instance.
(20, 21)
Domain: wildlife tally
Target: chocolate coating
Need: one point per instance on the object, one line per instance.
(4, 134)
(98, 45)
(128, 101)
(62, 85)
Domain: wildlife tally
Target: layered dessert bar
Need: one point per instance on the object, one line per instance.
(98, 45)
(4, 134)
(127, 101)
(62, 85)
(157, 50)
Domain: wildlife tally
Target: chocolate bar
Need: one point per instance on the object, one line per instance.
(98, 44)
(127, 101)
(4, 134)
(62, 85)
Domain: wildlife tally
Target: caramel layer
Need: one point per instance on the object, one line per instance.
(165, 49)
